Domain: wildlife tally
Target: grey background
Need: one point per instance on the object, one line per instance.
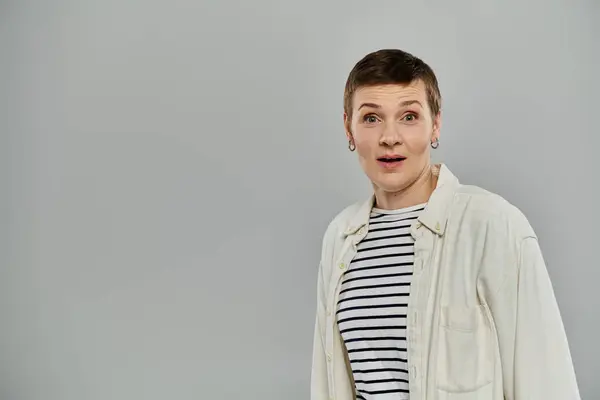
(169, 167)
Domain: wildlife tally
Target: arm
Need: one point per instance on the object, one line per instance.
(535, 356)
(319, 386)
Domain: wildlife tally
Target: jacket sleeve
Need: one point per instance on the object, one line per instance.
(319, 389)
(535, 356)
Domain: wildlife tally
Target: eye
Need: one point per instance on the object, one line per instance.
(410, 117)
(370, 119)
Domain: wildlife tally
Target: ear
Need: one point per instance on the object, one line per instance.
(437, 125)
(347, 122)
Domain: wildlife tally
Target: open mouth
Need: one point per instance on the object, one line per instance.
(391, 159)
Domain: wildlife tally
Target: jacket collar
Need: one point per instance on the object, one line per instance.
(435, 215)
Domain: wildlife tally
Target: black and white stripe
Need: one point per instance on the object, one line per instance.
(373, 304)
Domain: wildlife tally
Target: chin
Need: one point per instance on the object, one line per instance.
(390, 183)
(391, 189)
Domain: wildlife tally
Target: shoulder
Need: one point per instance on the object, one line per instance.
(336, 231)
(339, 223)
(486, 208)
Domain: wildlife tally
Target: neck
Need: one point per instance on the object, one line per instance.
(418, 192)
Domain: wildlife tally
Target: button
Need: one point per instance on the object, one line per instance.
(342, 265)
(328, 357)
(419, 225)
(361, 231)
(437, 227)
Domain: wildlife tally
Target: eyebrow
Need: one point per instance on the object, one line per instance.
(404, 103)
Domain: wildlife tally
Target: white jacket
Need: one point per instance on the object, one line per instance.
(483, 321)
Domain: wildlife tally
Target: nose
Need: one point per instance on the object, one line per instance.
(390, 135)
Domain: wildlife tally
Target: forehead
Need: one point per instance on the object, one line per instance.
(391, 93)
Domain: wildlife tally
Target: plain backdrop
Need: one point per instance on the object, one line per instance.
(169, 167)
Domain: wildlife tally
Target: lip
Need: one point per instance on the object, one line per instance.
(391, 164)
(391, 155)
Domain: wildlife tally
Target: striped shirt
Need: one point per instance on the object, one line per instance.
(372, 305)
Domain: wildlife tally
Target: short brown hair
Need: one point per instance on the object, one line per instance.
(392, 66)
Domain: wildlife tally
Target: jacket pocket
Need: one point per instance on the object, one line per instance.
(465, 349)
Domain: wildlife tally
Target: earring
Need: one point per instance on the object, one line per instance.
(435, 144)
(351, 145)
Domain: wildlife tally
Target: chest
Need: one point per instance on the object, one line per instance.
(444, 269)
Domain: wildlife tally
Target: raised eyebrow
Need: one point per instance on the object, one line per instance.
(404, 103)
(372, 105)
(407, 103)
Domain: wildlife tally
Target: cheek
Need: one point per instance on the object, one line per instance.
(417, 143)
(367, 140)
(365, 147)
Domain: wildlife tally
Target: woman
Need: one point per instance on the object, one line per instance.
(430, 288)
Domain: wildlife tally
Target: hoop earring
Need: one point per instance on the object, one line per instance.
(435, 144)
(351, 145)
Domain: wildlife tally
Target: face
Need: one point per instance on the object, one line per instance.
(392, 129)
